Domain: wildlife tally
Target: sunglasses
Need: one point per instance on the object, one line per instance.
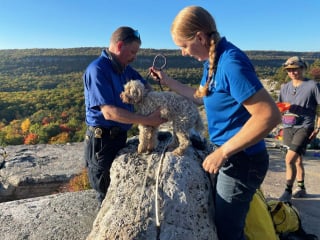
(294, 91)
(292, 69)
(134, 35)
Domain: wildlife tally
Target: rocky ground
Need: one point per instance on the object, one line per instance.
(37, 170)
(70, 215)
(67, 216)
(274, 184)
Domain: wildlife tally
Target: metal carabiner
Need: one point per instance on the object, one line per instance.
(159, 63)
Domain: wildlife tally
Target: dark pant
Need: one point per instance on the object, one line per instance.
(236, 184)
(100, 151)
(297, 139)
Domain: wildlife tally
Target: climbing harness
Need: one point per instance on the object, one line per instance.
(159, 63)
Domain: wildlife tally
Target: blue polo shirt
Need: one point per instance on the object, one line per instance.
(234, 82)
(102, 86)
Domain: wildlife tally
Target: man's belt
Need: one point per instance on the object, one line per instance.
(99, 132)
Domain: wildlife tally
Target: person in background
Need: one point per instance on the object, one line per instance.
(303, 95)
(240, 113)
(107, 118)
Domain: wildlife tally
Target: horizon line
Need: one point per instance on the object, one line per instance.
(61, 48)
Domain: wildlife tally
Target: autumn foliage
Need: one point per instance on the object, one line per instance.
(31, 138)
(315, 73)
(42, 100)
(78, 183)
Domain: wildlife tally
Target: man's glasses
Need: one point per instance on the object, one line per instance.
(135, 35)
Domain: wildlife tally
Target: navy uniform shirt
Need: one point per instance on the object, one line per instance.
(103, 84)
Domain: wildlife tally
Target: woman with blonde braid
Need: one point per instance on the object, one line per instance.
(240, 114)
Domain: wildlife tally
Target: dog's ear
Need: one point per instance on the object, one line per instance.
(138, 91)
(125, 94)
(124, 97)
(133, 92)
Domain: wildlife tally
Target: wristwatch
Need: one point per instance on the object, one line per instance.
(318, 128)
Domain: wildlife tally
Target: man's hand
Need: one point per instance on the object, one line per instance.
(155, 118)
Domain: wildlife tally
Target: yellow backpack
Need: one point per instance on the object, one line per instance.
(259, 224)
(273, 220)
(285, 216)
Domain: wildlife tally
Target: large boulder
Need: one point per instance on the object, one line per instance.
(157, 196)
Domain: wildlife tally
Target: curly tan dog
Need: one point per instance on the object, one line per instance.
(181, 111)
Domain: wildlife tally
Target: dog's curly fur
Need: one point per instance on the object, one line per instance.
(181, 111)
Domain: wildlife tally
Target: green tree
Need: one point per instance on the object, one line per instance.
(48, 131)
(315, 70)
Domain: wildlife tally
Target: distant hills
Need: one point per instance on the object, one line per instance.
(40, 62)
(41, 90)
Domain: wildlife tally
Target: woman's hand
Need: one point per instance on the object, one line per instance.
(159, 75)
(174, 85)
(214, 161)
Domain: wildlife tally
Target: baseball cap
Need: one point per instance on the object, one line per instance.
(294, 62)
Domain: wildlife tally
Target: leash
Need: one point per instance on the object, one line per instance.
(138, 214)
(159, 63)
(157, 212)
(157, 209)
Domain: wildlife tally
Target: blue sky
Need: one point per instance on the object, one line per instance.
(250, 24)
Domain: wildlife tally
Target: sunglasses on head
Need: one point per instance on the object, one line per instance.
(134, 35)
(298, 62)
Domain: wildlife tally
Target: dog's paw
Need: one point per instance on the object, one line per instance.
(178, 152)
(144, 152)
(141, 150)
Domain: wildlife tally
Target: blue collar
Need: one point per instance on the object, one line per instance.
(116, 66)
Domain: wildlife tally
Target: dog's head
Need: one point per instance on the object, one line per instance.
(133, 92)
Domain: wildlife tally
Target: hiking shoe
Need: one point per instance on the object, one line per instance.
(286, 196)
(299, 193)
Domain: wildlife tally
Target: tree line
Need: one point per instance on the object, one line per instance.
(41, 93)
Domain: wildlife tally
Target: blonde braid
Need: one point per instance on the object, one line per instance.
(204, 91)
(187, 24)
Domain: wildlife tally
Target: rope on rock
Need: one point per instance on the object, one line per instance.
(157, 209)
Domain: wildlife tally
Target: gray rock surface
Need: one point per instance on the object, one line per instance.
(274, 184)
(71, 215)
(66, 216)
(38, 170)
